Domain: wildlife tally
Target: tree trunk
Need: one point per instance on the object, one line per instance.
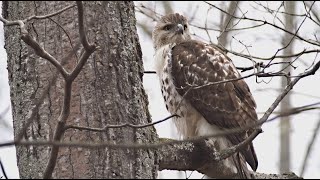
(227, 22)
(107, 91)
(285, 104)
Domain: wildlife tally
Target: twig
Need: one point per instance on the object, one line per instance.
(268, 23)
(38, 103)
(3, 170)
(59, 131)
(82, 33)
(227, 29)
(60, 128)
(294, 35)
(43, 53)
(73, 48)
(119, 126)
(150, 72)
(49, 15)
(40, 51)
(231, 150)
(306, 157)
(89, 48)
(194, 139)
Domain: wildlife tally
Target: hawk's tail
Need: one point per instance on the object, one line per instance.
(242, 168)
(251, 157)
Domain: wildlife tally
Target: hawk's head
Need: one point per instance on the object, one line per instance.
(172, 28)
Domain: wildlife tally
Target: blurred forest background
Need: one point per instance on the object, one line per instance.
(255, 32)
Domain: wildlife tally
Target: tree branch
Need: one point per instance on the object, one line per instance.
(40, 51)
(89, 48)
(193, 156)
(60, 128)
(315, 133)
(157, 145)
(58, 133)
(3, 170)
(44, 93)
(104, 129)
(82, 33)
(50, 15)
(268, 23)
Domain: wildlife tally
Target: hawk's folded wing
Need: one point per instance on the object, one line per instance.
(195, 67)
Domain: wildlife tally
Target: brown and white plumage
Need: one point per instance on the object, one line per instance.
(186, 69)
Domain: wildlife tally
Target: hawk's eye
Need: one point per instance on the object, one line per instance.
(167, 27)
(185, 27)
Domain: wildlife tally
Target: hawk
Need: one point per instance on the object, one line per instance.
(188, 70)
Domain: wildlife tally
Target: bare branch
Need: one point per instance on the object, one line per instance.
(145, 29)
(58, 134)
(205, 28)
(60, 128)
(82, 33)
(38, 103)
(33, 43)
(315, 133)
(150, 72)
(243, 69)
(296, 110)
(119, 126)
(154, 146)
(231, 150)
(292, 91)
(50, 15)
(83, 59)
(170, 152)
(43, 53)
(227, 29)
(273, 56)
(314, 12)
(3, 170)
(264, 118)
(268, 23)
(192, 156)
(153, 15)
(227, 21)
(73, 48)
(261, 23)
(89, 48)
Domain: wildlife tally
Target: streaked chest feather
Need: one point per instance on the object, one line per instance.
(189, 123)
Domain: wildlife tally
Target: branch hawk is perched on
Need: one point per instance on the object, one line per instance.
(185, 68)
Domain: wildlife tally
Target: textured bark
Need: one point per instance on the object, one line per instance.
(200, 156)
(192, 156)
(285, 105)
(107, 91)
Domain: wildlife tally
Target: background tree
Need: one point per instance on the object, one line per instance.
(285, 105)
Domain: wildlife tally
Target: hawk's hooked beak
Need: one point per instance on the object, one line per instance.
(180, 28)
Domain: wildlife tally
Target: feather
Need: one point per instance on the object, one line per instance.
(227, 105)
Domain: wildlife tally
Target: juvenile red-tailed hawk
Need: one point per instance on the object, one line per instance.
(185, 68)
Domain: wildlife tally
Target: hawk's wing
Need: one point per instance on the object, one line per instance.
(226, 105)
